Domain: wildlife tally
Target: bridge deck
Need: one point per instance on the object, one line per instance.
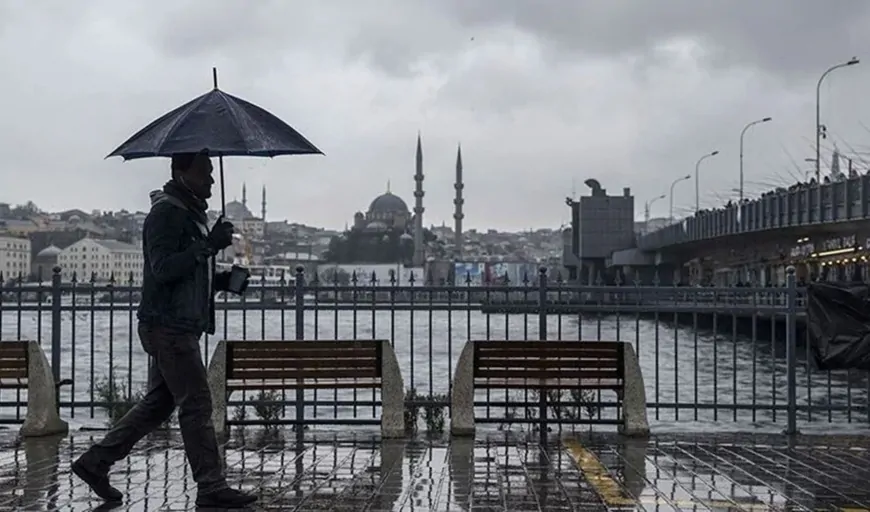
(493, 472)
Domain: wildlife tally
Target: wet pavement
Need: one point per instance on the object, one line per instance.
(495, 471)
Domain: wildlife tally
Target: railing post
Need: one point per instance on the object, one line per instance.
(791, 350)
(542, 335)
(542, 303)
(56, 301)
(299, 305)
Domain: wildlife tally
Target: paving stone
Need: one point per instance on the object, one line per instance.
(496, 471)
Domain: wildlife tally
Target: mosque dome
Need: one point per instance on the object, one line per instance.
(51, 251)
(388, 203)
(238, 211)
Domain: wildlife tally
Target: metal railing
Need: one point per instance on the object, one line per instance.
(729, 356)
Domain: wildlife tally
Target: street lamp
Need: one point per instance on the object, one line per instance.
(646, 209)
(684, 178)
(851, 62)
(697, 188)
(742, 134)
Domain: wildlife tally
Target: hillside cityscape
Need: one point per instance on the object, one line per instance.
(103, 245)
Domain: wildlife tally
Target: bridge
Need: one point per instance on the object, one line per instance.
(808, 225)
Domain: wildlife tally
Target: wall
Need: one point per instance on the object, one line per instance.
(606, 224)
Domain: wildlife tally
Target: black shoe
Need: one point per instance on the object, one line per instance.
(225, 498)
(97, 480)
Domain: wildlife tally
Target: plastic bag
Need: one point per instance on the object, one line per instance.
(838, 320)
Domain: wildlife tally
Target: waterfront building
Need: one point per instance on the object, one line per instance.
(600, 225)
(14, 256)
(101, 259)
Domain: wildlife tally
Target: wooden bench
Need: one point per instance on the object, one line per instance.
(23, 366)
(545, 366)
(320, 364)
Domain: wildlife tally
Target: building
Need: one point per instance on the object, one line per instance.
(101, 259)
(14, 257)
(600, 225)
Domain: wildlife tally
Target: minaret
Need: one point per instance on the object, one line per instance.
(418, 207)
(244, 195)
(457, 206)
(263, 211)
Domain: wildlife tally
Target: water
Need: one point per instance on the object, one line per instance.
(736, 381)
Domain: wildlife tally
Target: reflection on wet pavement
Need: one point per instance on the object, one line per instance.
(496, 471)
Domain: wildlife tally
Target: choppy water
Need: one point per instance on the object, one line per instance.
(679, 366)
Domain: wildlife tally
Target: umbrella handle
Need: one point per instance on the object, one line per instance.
(223, 186)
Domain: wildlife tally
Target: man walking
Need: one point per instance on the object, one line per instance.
(177, 307)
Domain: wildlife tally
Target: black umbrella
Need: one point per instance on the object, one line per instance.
(223, 124)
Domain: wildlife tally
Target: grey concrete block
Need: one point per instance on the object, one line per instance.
(217, 383)
(42, 418)
(392, 394)
(634, 418)
(462, 394)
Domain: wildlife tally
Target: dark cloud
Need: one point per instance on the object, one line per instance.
(778, 36)
(539, 93)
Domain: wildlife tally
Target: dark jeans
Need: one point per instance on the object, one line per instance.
(177, 378)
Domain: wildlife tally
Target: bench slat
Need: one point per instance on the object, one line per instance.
(12, 362)
(551, 344)
(305, 344)
(523, 373)
(237, 353)
(268, 363)
(251, 373)
(549, 362)
(594, 384)
(13, 373)
(12, 349)
(322, 383)
(545, 352)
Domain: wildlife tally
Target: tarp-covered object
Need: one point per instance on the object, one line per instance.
(838, 319)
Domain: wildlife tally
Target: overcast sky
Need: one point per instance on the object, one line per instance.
(540, 94)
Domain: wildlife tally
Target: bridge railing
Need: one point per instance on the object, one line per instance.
(796, 206)
(722, 356)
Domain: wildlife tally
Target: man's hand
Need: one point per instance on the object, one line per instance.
(221, 235)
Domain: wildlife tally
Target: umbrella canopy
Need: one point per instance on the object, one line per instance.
(222, 123)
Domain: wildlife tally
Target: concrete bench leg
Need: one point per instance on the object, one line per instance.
(634, 419)
(392, 395)
(42, 418)
(462, 394)
(217, 383)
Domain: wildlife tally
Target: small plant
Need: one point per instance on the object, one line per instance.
(433, 414)
(579, 402)
(266, 407)
(412, 411)
(510, 414)
(117, 403)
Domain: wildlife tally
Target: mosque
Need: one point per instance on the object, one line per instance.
(391, 232)
(242, 217)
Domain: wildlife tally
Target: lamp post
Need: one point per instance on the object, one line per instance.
(684, 178)
(646, 209)
(851, 62)
(742, 134)
(698, 188)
